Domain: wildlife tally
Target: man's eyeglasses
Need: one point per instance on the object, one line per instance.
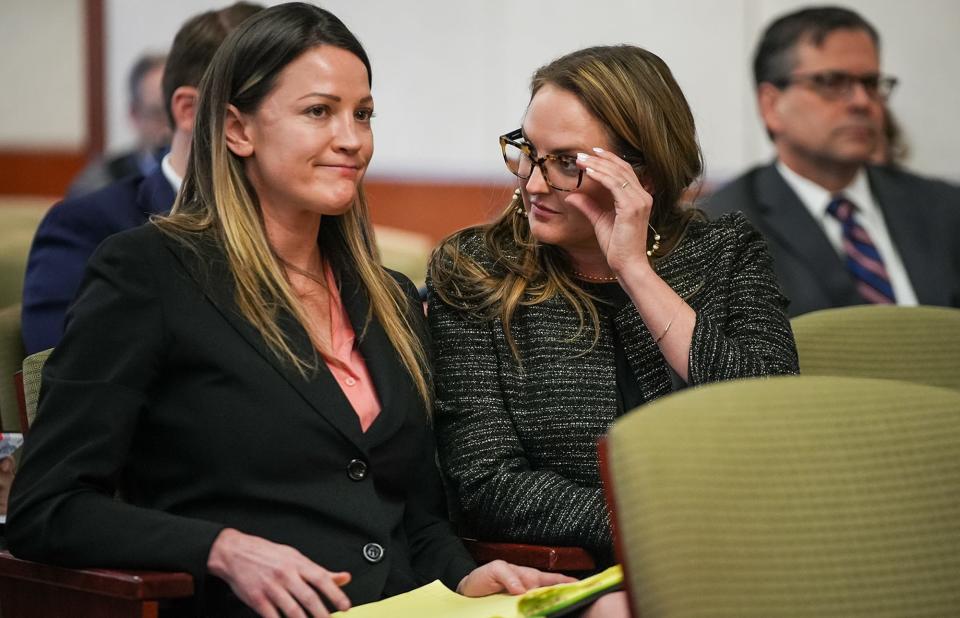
(560, 171)
(837, 85)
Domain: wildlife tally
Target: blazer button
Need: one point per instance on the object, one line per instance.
(373, 552)
(357, 469)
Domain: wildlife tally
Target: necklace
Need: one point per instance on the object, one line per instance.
(597, 278)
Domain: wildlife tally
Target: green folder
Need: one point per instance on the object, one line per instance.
(435, 599)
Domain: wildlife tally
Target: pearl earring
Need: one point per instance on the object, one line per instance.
(517, 197)
(656, 241)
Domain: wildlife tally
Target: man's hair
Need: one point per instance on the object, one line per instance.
(195, 44)
(143, 65)
(774, 58)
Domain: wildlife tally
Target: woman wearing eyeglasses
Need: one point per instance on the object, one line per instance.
(594, 292)
(245, 373)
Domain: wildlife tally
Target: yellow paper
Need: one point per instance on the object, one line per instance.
(435, 599)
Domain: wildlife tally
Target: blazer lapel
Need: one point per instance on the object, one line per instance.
(908, 230)
(378, 353)
(789, 222)
(319, 389)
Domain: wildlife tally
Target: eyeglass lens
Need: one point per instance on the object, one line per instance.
(839, 84)
(561, 171)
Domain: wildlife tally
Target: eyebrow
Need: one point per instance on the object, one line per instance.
(334, 97)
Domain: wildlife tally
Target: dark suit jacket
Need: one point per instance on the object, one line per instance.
(519, 444)
(162, 391)
(66, 239)
(922, 215)
(104, 171)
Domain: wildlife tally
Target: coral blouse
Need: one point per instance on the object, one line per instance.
(351, 371)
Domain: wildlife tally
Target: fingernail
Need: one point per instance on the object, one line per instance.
(598, 150)
(589, 170)
(582, 156)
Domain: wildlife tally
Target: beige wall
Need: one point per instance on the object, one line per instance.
(450, 75)
(42, 74)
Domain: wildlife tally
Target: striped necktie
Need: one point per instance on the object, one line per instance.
(863, 259)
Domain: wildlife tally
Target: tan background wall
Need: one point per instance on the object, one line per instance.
(449, 76)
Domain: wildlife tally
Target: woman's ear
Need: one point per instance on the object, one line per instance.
(183, 107)
(646, 182)
(236, 131)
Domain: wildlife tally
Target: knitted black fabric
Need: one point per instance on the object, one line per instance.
(519, 445)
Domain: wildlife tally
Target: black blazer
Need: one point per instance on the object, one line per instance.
(162, 391)
(922, 215)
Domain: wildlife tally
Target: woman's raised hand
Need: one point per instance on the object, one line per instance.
(275, 580)
(622, 230)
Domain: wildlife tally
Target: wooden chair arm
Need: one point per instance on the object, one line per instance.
(34, 589)
(543, 557)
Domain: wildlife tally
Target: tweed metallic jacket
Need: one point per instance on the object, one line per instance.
(519, 446)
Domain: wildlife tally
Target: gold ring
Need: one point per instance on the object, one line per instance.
(625, 183)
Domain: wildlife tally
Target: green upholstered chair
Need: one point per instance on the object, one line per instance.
(791, 496)
(32, 366)
(917, 344)
(17, 226)
(404, 251)
(11, 358)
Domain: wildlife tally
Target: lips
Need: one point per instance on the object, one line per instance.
(542, 208)
(341, 165)
(350, 171)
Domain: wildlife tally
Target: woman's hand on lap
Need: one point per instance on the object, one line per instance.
(275, 580)
(500, 576)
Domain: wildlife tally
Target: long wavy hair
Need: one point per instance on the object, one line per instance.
(217, 202)
(633, 94)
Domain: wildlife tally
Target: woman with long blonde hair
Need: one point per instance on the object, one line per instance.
(244, 372)
(595, 291)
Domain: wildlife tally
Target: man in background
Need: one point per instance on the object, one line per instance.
(149, 120)
(841, 231)
(72, 229)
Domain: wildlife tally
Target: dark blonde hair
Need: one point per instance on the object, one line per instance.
(217, 201)
(633, 94)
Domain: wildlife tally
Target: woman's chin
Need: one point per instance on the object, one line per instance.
(338, 203)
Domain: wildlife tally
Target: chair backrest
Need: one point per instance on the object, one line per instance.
(404, 251)
(791, 496)
(917, 344)
(19, 218)
(32, 367)
(11, 357)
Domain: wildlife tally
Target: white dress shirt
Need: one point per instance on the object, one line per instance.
(816, 199)
(170, 174)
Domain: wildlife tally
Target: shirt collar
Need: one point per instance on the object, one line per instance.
(170, 174)
(816, 199)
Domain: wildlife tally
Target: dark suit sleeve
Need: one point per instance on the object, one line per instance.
(754, 337)
(500, 494)
(64, 242)
(96, 386)
(437, 552)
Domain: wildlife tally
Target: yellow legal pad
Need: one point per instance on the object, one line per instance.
(435, 599)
